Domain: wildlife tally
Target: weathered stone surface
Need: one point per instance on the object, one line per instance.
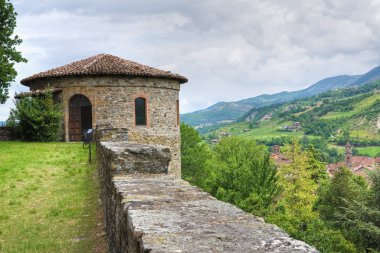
(162, 213)
(107, 132)
(138, 158)
(169, 215)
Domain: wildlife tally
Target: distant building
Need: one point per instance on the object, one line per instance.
(267, 116)
(297, 125)
(359, 165)
(214, 141)
(294, 127)
(223, 134)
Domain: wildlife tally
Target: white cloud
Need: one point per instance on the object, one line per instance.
(229, 50)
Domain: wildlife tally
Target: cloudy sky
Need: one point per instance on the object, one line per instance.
(228, 49)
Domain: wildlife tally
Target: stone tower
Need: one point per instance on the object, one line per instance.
(348, 155)
(276, 149)
(121, 94)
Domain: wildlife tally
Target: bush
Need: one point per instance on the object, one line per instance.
(37, 118)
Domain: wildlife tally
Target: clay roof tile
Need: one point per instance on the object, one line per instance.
(104, 64)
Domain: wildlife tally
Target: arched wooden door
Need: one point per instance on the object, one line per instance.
(80, 117)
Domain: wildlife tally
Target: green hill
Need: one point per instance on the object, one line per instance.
(230, 111)
(329, 116)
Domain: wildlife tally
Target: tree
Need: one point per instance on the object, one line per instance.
(37, 118)
(8, 53)
(295, 211)
(196, 158)
(361, 223)
(359, 218)
(375, 189)
(244, 175)
(314, 164)
(299, 187)
(345, 186)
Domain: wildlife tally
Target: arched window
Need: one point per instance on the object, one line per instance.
(140, 111)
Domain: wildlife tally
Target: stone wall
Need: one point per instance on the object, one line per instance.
(112, 100)
(6, 134)
(147, 210)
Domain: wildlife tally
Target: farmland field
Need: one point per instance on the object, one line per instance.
(365, 151)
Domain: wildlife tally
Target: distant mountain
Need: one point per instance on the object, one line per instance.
(354, 108)
(368, 77)
(230, 111)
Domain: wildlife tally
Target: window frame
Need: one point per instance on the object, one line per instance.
(137, 117)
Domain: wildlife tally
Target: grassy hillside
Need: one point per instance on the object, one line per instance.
(230, 111)
(330, 116)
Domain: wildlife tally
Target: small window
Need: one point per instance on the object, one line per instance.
(177, 112)
(140, 111)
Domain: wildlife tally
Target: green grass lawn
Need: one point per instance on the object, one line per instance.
(49, 199)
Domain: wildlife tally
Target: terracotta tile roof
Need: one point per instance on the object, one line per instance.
(104, 64)
(360, 165)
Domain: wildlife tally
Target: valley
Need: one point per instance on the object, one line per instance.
(231, 111)
(332, 117)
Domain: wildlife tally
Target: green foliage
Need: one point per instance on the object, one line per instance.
(344, 186)
(238, 171)
(350, 206)
(299, 187)
(295, 211)
(375, 189)
(196, 158)
(361, 224)
(361, 219)
(244, 175)
(314, 164)
(37, 118)
(8, 53)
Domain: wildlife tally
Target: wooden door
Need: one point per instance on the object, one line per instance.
(75, 131)
(80, 117)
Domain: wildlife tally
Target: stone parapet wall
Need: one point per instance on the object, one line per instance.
(161, 213)
(6, 134)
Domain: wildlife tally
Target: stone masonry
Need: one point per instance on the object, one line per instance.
(149, 211)
(112, 84)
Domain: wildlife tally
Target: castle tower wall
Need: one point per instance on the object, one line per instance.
(348, 155)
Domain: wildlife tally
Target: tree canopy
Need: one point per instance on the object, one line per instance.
(8, 53)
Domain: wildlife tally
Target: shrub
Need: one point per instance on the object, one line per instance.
(37, 118)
